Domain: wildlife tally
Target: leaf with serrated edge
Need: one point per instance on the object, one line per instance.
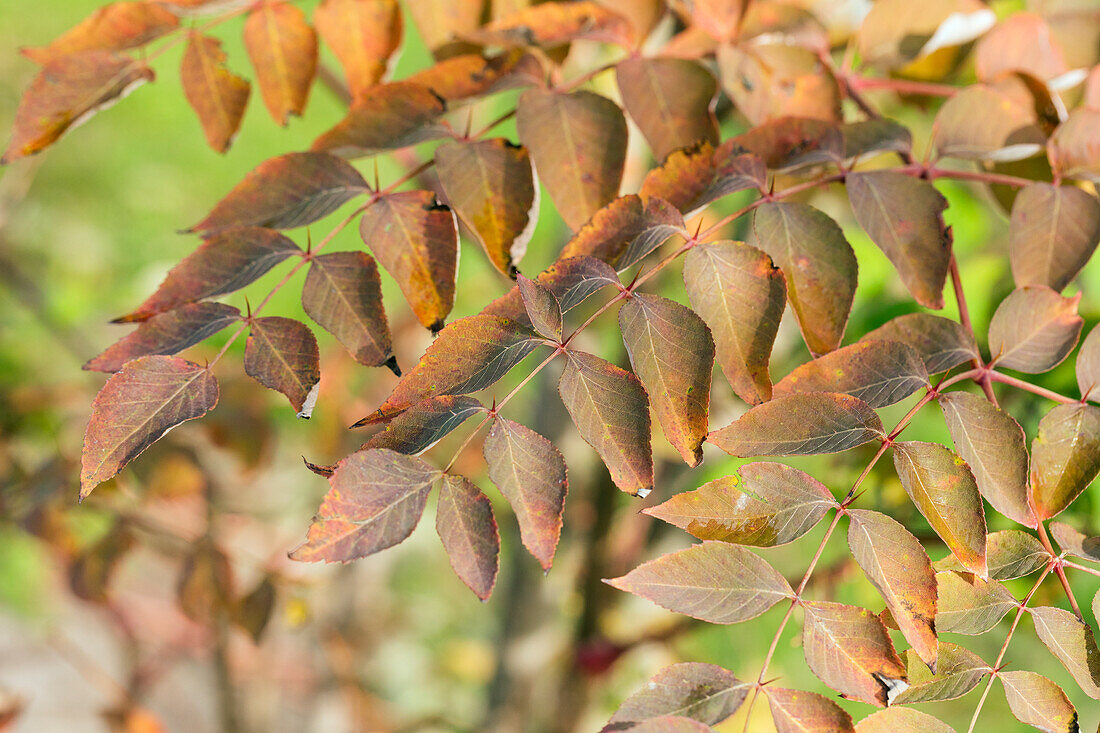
(899, 568)
(464, 521)
(800, 424)
(1038, 702)
(375, 501)
(148, 397)
(1065, 457)
(819, 265)
(878, 372)
(531, 474)
(282, 354)
(1072, 642)
(217, 95)
(992, 443)
(672, 353)
(363, 34)
(167, 333)
(416, 239)
(610, 408)
(740, 295)
(958, 671)
(1088, 366)
(283, 49)
(943, 490)
(904, 217)
(902, 720)
(1053, 234)
(849, 650)
(764, 504)
(798, 711)
(670, 100)
(714, 581)
(421, 426)
(966, 604)
(286, 192)
(542, 307)
(941, 342)
(392, 116)
(1034, 329)
(704, 692)
(343, 293)
(1009, 554)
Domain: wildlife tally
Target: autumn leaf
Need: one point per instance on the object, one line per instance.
(773, 80)
(1009, 553)
(849, 650)
(531, 474)
(896, 31)
(472, 75)
(167, 333)
(866, 137)
(1072, 148)
(283, 49)
(1072, 642)
(718, 18)
(391, 117)
(375, 501)
(1054, 232)
(1088, 366)
(442, 22)
(542, 307)
(148, 397)
(670, 100)
(421, 426)
(1075, 543)
(704, 692)
(966, 604)
(798, 711)
(942, 343)
(343, 293)
(985, 124)
(764, 504)
(1065, 457)
(552, 24)
(286, 192)
(113, 27)
(1038, 702)
(217, 95)
(282, 354)
(253, 612)
(625, 231)
(363, 34)
(902, 720)
(714, 581)
(205, 584)
(464, 521)
(958, 671)
(789, 143)
(878, 372)
(610, 408)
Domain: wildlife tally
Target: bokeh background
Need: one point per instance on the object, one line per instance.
(94, 632)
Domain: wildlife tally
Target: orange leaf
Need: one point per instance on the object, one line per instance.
(363, 34)
(283, 49)
(113, 27)
(282, 354)
(217, 95)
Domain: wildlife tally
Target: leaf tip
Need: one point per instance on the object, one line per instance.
(391, 364)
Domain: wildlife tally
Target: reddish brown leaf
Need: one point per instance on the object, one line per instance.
(719, 18)
(819, 266)
(205, 584)
(571, 280)
(764, 504)
(778, 22)
(741, 296)
(283, 49)
(881, 135)
(992, 443)
(1074, 145)
(704, 692)
(1020, 42)
(789, 143)
(113, 27)
(1065, 457)
(773, 80)
(983, 123)
(554, 23)
(282, 354)
(849, 650)
(798, 711)
(578, 143)
(1054, 232)
(392, 116)
(941, 342)
(217, 95)
(1038, 702)
(878, 372)
(958, 671)
(425, 423)
(491, 186)
(1088, 366)
(416, 239)
(1034, 329)
(66, 92)
(1010, 553)
(801, 424)
(899, 568)
(531, 474)
(610, 408)
(902, 720)
(625, 230)
(682, 177)
(363, 34)
(672, 353)
(136, 407)
(1075, 543)
(541, 306)
(465, 523)
(670, 100)
(714, 581)
(1072, 642)
(467, 356)
(943, 489)
(904, 217)
(167, 333)
(375, 502)
(966, 604)
(289, 191)
(470, 75)
(343, 293)
(224, 262)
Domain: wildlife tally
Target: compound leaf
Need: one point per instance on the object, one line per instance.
(218, 96)
(363, 34)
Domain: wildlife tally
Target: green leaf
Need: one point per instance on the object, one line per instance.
(1065, 457)
(849, 650)
(1053, 233)
(1034, 329)
(878, 372)
(464, 521)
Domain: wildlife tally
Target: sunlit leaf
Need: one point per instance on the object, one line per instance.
(789, 143)
(416, 239)
(772, 80)
(391, 117)
(554, 23)
(1021, 42)
(571, 280)
(167, 333)
(425, 423)
(114, 27)
(899, 568)
(714, 581)
(697, 175)
(942, 487)
(941, 342)
(1065, 457)
(1038, 702)
(798, 711)
(1088, 366)
(719, 18)
(763, 504)
(490, 184)
(878, 372)
(966, 604)
(541, 306)
(902, 720)
(800, 424)
(471, 75)
(283, 49)
(704, 692)
(148, 397)
(819, 266)
(1034, 329)
(1072, 642)
(671, 724)
(217, 95)
(896, 31)
(849, 650)
(282, 354)
(985, 124)
(465, 523)
(375, 501)
(531, 474)
(1010, 553)
(343, 293)
(286, 192)
(1073, 146)
(670, 100)
(1076, 543)
(1054, 232)
(441, 22)
(958, 671)
(578, 143)
(904, 217)
(741, 295)
(992, 443)
(610, 408)
(625, 231)
(363, 34)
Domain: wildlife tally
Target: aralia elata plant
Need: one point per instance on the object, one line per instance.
(1021, 117)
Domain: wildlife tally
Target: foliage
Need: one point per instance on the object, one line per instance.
(1024, 110)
